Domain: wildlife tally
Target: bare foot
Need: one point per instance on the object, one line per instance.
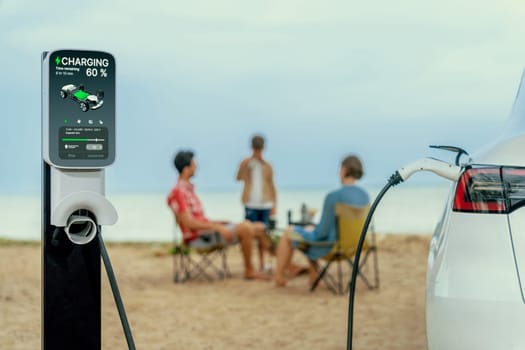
(294, 270)
(252, 275)
(312, 276)
(280, 282)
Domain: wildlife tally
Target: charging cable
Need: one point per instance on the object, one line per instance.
(443, 169)
(116, 292)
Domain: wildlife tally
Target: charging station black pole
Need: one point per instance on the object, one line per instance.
(71, 316)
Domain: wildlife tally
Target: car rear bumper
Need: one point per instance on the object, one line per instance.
(473, 293)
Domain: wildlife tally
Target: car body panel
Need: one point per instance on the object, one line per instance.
(474, 240)
(463, 324)
(471, 276)
(507, 152)
(517, 227)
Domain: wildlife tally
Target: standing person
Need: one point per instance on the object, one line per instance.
(296, 236)
(198, 230)
(259, 196)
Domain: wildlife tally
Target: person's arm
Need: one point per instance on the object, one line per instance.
(322, 230)
(185, 219)
(220, 222)
(243, 171)
(273, 192)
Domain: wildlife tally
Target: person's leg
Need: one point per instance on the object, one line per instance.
(264, 217)
(246, 232)
(205, 240)
(263, 240)
(253, 215)
(284, 256)
(313, 271)
(250, 214)
(296, 270)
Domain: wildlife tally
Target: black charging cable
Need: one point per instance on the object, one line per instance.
(392, 181)
(116, 293)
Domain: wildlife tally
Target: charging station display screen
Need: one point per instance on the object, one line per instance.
(79, 108)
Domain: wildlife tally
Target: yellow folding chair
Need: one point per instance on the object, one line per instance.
(349, 223)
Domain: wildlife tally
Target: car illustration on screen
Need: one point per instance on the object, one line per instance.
(85, 99)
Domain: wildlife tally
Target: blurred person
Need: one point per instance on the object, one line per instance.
(197, 229)
(259, 196)
(297, 237)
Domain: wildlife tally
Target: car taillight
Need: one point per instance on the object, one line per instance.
(490, 190)
(514, 179)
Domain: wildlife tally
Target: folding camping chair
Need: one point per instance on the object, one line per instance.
(349, 223)
(190, 263)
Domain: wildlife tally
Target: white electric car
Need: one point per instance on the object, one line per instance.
(476, 264)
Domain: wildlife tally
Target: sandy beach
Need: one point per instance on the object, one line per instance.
(229, 314)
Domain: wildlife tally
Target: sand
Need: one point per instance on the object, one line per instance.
(233, 313)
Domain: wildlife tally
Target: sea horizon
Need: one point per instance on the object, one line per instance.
(144, 216)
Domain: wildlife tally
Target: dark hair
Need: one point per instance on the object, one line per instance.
(182, 160)
(352, 166)
(258, 142)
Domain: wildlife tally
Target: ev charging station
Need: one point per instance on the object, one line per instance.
(78, 142)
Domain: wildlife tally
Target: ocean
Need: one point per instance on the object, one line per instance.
(145, 217)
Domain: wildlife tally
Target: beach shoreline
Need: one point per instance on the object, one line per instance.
(232, 313)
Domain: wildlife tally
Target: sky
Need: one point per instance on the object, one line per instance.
(319, 79)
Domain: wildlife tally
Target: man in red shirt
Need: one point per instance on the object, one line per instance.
(197, 230)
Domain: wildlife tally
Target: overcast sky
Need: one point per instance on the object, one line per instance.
(319, 78)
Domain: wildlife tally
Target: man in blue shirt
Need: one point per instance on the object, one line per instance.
(351, 194)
